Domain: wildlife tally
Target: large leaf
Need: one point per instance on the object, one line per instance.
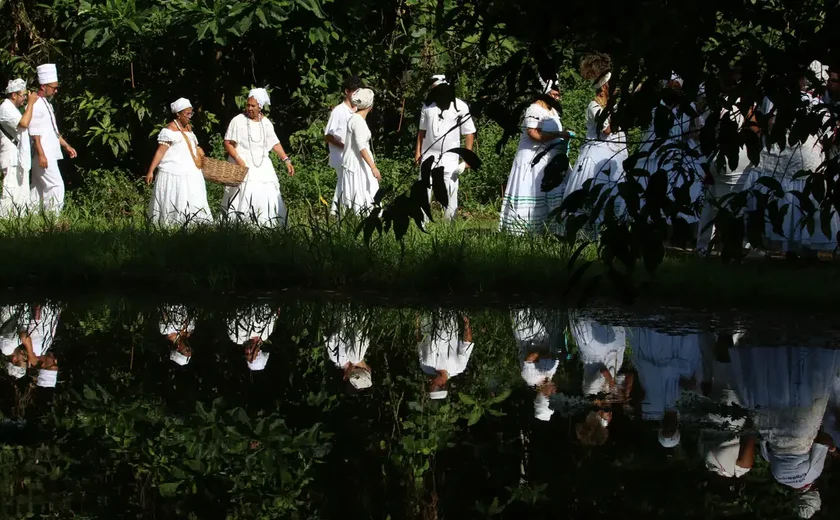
(439, 188)
(468, 156)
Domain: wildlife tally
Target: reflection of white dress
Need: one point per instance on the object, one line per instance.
(600, 346)
(179, 195)
(356, 185)
(42, 329)
(661, 361)
(257, 200)
(441, 348)
(175, 319)
(525, 206)
(536, 333)
(253, 322)
(348, 344)
(11, 317)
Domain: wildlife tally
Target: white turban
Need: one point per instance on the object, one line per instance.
(362, 98)
(674, 77)
(602, 80)
(539, 372)
(47, 73)
(542, 410)
(548, 85)
(8, 345)
(808, 504)
(439, 79)
(15, 85)
(15, 371)
(360, 379)
(180, 105)
(669, 442)
(819, 70)
(701, 90)
(439, 394)
(47, 378)
(259, 362)
(179, 358)
(260, 95)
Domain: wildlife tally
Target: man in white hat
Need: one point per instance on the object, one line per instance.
(443, 354)
(47, 184)
(336, 129)
(15, 154)
(443, 120)
(346, 348)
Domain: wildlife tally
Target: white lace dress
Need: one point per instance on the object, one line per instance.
(179, 195)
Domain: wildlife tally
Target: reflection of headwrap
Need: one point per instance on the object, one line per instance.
(15, 85)
(542, 410)
(259, 362)
(547, 85)
(47, 378)
(439, 394)
(808, 504)
(15, 371)
(8, 345)
(360, 379)
(701, 90)
(47, 74)
(439, 79)
(819, 70)
(362, 98)
(180, 105)
(260, 95)
(669, 442)
(674, 77)
(179, 358)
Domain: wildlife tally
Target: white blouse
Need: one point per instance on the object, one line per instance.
(254, 140)
(178, 159)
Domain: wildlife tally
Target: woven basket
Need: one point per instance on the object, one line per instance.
(223, 172)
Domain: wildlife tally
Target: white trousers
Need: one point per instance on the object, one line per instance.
(14, 200)
(47, 190)
(452, 206)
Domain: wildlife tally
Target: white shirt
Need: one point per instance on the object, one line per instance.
(337, 127)
(438, 124)
(11, 155)
(347, 346)
(254, 140)
(45, 126)
(42, 331)
(441, 349)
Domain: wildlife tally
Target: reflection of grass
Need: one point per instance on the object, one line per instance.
(468, 258)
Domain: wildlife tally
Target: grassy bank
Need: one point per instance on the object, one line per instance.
(465, 260)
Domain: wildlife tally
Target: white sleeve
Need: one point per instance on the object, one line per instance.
(533, 117)
(361, 134)
(270, 135)
(424, 119)
(334, 125)
(165, 137)
(232, 133)
(10, 118)
(40, 119)
(466, 119)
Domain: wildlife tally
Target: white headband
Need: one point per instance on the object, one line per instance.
(15, 85)
(601, 81)
(261, 95)
(180, 105)
(440, 79)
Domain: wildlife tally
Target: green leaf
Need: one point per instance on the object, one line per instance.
(169, 489)
(475, 416)
(466, 399)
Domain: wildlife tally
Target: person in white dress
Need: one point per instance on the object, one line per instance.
(47, 185)
(15, 152)
(601, 157)
(346, 348)
(525, 207)
(444, 348)
(177, 324)
(336, 129)
(179, 195)
(249, 139)
(359, 180)
(250, 328)
(539, 338)
(12, 332)
(601, 349)
(444, 119)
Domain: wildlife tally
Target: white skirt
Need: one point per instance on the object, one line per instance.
(602, 161)
(179, 198)
(525, 206)
(15, 200)
(354, 191)
(681, 169)
(257, 200)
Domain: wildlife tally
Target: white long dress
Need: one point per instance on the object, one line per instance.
(179, 195)
(15, 162)
(441, 348)
(253, 322)
(600, 346)
(348, 344)
(601, 157)
(42, 327)
(175, 319)
(257, 200)
(356, 185)
(525, 207)
(11, 317)
(783, 165)
(537, 332)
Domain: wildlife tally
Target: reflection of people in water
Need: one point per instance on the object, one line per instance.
(666, 365)
(251, 328)
(788, 388)
(177, 325)
(48, 371)
(11, 333)
(445, 347)
(540, 341)
(726, 452)
(601, 350)
(346, 347)
(37, 336)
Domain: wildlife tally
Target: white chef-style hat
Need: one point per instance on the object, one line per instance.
(47, 73)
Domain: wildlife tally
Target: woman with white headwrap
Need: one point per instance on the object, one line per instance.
(249, 139)
(346, 348)
(525, 206)
(250, 328)
(359, 181)
(15, 154)
(602, 156)
(177, 325)
(540, 340)
(444, 351)
(179, 195)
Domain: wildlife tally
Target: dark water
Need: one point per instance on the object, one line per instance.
(309, 409)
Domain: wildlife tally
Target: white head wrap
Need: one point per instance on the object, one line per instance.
(601, 81)
(674, 77)
(669, 442)
(701, 90)
(439, 79)
(808, 504)
(15, 371)
(259, 362)
(362, 98)
(180, 105)
(819, 70)
(548, 85)
(15, 85)
(261, 95)
(360, 379)
(439, 394)
(179, 358)
(47, 378)
(8, 345)
(542, 410)
(47, 73)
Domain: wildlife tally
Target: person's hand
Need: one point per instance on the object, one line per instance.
(417, 156)
(32, 97)
(43, 162)
(71, 151)
(200, 152)
(376, 173)
(240, 161)
(290, 168)
(150, 177)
